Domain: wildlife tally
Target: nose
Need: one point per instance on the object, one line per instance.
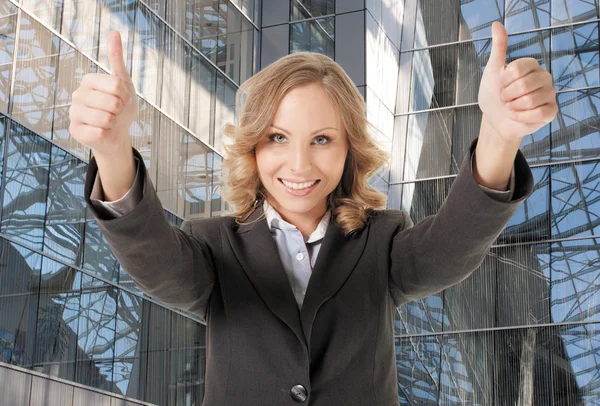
(300, 160)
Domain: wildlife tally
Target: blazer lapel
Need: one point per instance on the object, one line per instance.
(255, 249)
(336, 260)
(257, 252)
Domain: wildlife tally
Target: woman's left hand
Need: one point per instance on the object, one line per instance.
(517, 99)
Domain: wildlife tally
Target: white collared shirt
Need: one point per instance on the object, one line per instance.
(298, 255)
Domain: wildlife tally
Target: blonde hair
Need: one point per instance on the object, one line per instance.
(257, 101)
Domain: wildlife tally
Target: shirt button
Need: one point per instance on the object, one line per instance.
(304, 292)
(300, 256)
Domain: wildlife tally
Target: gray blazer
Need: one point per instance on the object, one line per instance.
(339, 348)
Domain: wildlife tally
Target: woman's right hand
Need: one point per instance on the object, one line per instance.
(102, 110)
(104, 106)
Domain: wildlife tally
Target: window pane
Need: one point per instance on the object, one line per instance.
(202, 94)
(575, 57)
(19, 286)
(96, 336)
(57, 320)
(302, 9)
(65, 217)
(575, 132)
(24, 208)
(575, 199)
(575, 293)
(197, 177)
(313, 36)
(147, 54)
(35, 77)
(8, 26)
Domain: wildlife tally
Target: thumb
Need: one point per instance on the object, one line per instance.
(499, 45)
(114, 50)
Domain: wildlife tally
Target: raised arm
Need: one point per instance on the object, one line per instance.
(167, 263)
(443, 249)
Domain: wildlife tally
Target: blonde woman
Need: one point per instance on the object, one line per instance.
(299, 285)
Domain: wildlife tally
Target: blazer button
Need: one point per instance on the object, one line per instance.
(299, 393)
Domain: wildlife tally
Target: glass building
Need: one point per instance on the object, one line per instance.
(523, 329)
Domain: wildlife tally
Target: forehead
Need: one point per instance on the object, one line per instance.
(306, 107)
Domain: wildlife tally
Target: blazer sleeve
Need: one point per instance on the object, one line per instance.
(444, 249)
(165, 262)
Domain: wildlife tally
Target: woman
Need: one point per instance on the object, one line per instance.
(298, 287)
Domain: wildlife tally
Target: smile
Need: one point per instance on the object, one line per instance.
(298, 186)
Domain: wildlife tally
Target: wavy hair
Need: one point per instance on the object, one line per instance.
(257, 101)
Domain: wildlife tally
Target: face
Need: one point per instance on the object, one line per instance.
(301, 157)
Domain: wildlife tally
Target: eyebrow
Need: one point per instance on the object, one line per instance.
(314, 132)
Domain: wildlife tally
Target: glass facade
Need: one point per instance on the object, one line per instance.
(67, 309)
(524, 328)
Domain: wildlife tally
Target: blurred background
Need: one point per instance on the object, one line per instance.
(523, 329)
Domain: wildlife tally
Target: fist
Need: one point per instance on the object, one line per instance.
(517, 99)
(104, 106)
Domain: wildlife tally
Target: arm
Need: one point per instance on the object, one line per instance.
(167, 263)
(443, 249)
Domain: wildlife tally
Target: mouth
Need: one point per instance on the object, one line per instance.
(299, 188)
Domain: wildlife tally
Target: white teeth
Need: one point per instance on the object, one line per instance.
(298, 186)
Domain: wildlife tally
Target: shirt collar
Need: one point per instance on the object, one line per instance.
(274, 220)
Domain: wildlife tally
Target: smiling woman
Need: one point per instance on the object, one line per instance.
(299, 293)
(302, 144)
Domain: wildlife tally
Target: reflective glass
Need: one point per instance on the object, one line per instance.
(157, 354)
(35, 77)
(205, 26)
(197, 178)
(128, 343)
(65, 213)
(303, 9)
(313, 36)
(437, 142)
(8, 27)
(202, 94)
(524, 15)
(19, 285)
(172, 154)
(538, 366)
(97, 330)
(575, 57)
(575, 132)
(26, 166)
(575, 288)
(575, 199)
(175, 80)
(188, 354)
(80, 21)
(144, 133)
(57, 320)
(572, 11)
(420, 316)
(224, 110)
(147, 54)
(219, 206)
(435, 22)
(98, 257)
(49, 12)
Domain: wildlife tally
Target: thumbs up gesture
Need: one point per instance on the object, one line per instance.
(104, 106)
(516, 99)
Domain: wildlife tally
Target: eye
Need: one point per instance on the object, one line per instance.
(322, 140)
(278, 138)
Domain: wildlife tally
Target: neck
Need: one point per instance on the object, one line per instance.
(305, 222)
